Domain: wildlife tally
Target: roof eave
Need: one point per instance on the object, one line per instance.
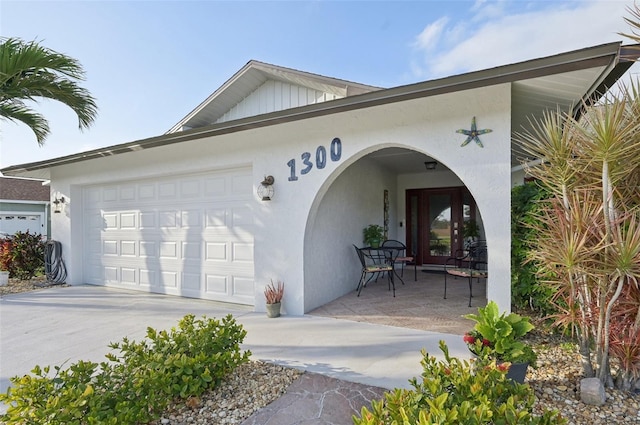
(602, 55)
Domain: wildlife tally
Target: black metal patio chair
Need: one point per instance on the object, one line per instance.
(371, 266)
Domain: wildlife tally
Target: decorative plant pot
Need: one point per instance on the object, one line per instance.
(4, 278)
(375, 243)
(273, 310)
(517, 372)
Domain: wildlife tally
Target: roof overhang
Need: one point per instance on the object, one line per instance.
(564, 80)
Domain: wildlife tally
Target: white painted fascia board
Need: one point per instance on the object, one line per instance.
(14, 201)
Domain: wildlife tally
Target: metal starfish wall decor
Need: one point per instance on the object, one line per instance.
(472, 135)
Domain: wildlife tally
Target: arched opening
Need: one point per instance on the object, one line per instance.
(387, 185)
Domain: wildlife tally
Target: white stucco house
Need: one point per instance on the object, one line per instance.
(180, 213)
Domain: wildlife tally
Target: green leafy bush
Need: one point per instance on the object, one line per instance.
(22, 255)
(458, 392)
(499, 335)
(138, 381)
(526, 290)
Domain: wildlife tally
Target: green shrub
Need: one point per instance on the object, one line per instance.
(136, 384)
(22, 255)
(458, 392)
(500, 335)
(526, 291)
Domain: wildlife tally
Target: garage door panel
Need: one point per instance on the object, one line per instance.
(167, 190)
(215, 187)
(109, 221)
(128, 221)
(168, 219)
(242, 286)
(215, 218)
(128, 248)
(148, 249)
(190, 189)
(169, 279)
(110, 247)
(242, 252)
(110, 194)
(168, 250)
(191, 251)
(146, 192)
(147, 278)
(216, 284)
(191, 281)
(148, 220)
(128, 193)
(241, 184)
(216, 251)
(186, 235)
(128, 275)
(111, 274)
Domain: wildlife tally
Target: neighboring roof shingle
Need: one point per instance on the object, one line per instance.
(23, 190)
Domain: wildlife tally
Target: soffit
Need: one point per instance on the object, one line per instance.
(532, 97)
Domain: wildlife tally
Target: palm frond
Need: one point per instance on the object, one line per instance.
(16, 111)
(28, 72)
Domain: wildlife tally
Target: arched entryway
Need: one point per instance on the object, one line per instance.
(371, 189)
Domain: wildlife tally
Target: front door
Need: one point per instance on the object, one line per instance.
(435, 218)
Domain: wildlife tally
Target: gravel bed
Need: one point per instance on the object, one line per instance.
(252, 386)
(17, 286)
(256, 384)
(556, 385)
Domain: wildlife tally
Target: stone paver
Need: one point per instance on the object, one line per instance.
(315, 399)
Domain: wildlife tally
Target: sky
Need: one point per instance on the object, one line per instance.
(149, 63)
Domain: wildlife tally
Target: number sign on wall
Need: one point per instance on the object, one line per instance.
(335, 152)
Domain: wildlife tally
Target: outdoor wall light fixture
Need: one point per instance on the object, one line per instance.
(430, 165)
(57, 204)
(265, 189)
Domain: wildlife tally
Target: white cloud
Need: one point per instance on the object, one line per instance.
(482, 9)
(523, 36)
(429, 37)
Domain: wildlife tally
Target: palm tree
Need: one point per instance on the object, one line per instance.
(28, 72)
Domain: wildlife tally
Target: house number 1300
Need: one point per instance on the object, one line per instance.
(335, 152)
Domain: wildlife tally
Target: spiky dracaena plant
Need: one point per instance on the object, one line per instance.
(589, 244)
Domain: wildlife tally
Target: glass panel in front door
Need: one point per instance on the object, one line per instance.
(440, 231)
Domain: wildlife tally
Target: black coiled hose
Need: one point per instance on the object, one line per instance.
(54, 267)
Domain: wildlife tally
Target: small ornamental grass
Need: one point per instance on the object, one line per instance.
(137, 383)
(458, 392)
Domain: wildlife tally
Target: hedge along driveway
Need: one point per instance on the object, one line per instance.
(59, 325)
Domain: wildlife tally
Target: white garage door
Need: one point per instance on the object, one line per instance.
(10, 223)
(189, 235)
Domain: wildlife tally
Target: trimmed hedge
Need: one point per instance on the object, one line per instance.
(137, 383)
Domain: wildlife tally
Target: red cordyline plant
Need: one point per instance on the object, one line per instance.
(589, 231)
(625, 335)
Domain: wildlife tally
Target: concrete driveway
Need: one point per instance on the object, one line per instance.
(66, 324)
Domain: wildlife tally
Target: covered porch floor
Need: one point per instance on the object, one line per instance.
(417, 304)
